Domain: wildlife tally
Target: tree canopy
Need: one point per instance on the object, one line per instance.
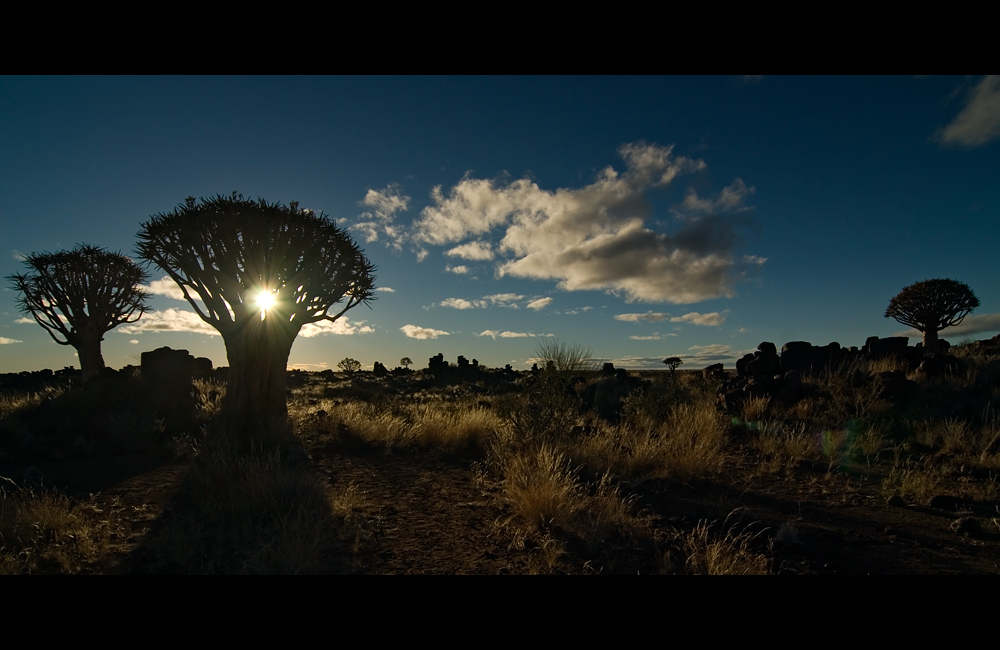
(238, 257)
(78, 295)
(258, 272)
(931, 306)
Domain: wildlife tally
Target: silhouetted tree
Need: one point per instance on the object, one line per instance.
(258, 272)
(79, 295)
(672, 363)
(932, 305)
(349, 365)
(405, 362)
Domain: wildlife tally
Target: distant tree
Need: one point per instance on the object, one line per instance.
(80, 294)
(932, 305)
(349, 365)
(258, 272)
(405, 362)
(672, 363)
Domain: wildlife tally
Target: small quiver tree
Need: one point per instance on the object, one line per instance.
(932, 305)
(672, 363)
(78, 295)
(405, 362)
(258, 272)
(349, 365)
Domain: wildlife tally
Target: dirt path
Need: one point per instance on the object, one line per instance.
(423, 513)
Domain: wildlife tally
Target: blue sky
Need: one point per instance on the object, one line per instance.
(640, 217)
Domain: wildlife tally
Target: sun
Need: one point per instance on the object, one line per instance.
(265, 300)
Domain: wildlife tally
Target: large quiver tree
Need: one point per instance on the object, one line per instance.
(932, 305)
(258, 272)
(80, 294)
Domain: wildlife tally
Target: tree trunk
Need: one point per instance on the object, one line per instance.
(91, 360)
(931, 342)
(255, 406)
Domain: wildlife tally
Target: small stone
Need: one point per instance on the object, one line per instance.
(896, 501)
(966, 526)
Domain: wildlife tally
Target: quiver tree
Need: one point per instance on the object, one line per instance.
(258, 272)
(672, 363)
(79, 295)
(932, 305)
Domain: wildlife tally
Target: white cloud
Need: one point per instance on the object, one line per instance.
(714, 318)
(164, 287)
(541, 303)
(386, 290)
(460, 270)
(595, 237)
(415, 332)
(972, 324)
(510, 335)
(18, 255)
(134, 341)
(342, 326)
(474, 250)
(461, 303)
(654, 337)
(979, 121)
(169, 320)
(6, 341)
(25, 319)
(309, 367)
(504, 299)
(380, 220)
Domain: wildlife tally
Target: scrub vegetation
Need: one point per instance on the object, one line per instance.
(494, 471)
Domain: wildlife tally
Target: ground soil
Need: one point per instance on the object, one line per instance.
(427, 512)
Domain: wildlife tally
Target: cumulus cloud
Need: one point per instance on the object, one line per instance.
(386, 290)
(460, 270)
(462, 303)
(380, 219)
(979, 121)
(474, 250)
(6, 341)
(655, 336)
(541, 303)
(415, 332)
(342, 326)
(714, 318)
(594, 237)
(164, 287)
(169, 320)
(510, 335)
(730, 199)
(25, 319)
(504, 299)
(134, 341)
(972, 324)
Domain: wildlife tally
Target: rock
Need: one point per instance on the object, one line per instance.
(945, 502)
(896, 501)
(714, 371)
(796, 355)
(966, 526)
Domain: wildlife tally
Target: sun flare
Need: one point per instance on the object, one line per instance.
(265, 300)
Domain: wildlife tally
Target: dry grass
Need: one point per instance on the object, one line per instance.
(11, 403)
(704, 551)
(46, 532)
(756, 408)
(449, 427)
